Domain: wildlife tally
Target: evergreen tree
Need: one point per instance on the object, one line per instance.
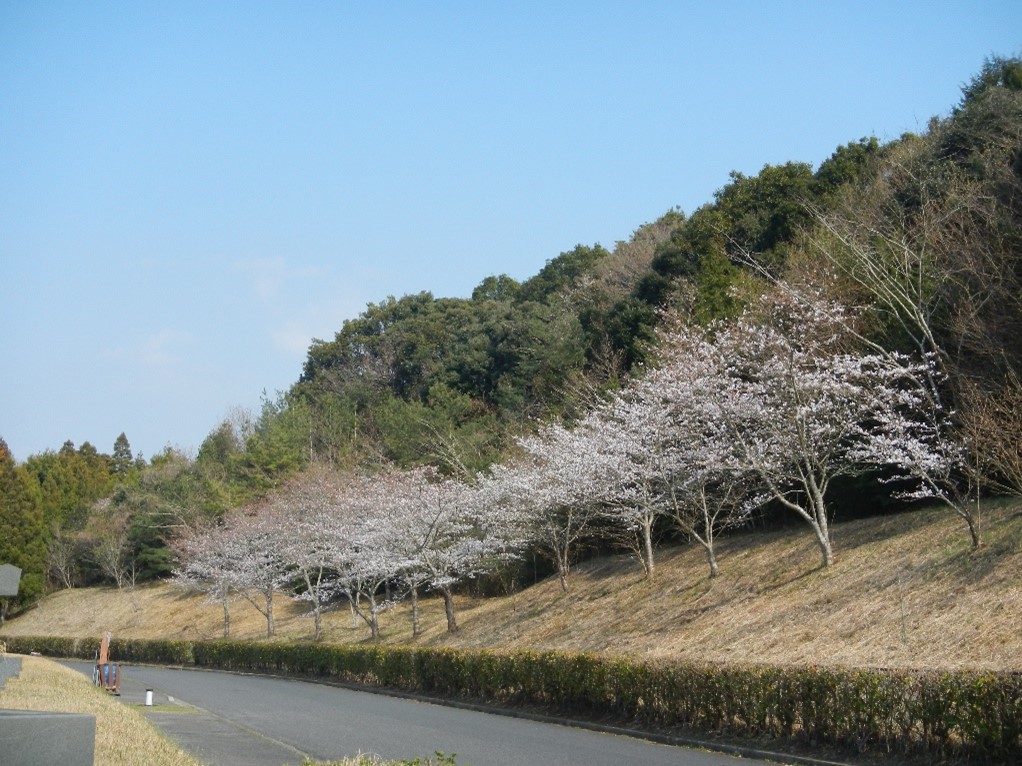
(122, 459)
(23, 542)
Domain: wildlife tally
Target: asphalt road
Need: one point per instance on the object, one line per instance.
(226, 719)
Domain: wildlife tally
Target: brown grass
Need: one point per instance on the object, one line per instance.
(905, 591)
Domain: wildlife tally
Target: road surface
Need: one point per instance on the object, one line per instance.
(225, 719)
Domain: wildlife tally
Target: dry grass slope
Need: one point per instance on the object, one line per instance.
(905, 591)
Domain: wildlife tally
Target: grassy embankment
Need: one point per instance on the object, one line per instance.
(905, 591)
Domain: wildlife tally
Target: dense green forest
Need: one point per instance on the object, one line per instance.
(921, 235)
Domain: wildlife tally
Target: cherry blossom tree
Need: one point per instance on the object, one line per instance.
(260, 566)
(680, 474)
(334, 536)
(364, 556)
(916, 435)
(207, 565)
(625, 458)
(433, 533)
(546, 492)
(436, 527)
(304, 509)
(394, 499)
(368, 537)
(801, 407)
(790, 413)
(284, 543)
(934, 278)
(660, 451)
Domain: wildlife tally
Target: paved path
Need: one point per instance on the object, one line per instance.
(239, 720)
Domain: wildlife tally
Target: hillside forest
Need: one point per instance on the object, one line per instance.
(844, 340)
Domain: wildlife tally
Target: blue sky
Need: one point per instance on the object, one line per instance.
(190, 192)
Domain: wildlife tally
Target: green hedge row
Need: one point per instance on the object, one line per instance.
(970, 716)
(121, 649)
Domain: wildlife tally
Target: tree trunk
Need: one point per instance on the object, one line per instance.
(973, 521)
(562, 569)
(452, 624)
(819, 522)
(647, 547)
(370, 617)
(317, 600)
(415, 611)
(970, 511)
(711, 559)
(227, 618)
(825, 548)
(269, 613)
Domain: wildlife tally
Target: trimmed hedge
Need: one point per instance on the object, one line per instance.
(966, 715)
(121, 649)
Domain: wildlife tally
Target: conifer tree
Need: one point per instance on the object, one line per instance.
(122, 459)
(23, 537)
